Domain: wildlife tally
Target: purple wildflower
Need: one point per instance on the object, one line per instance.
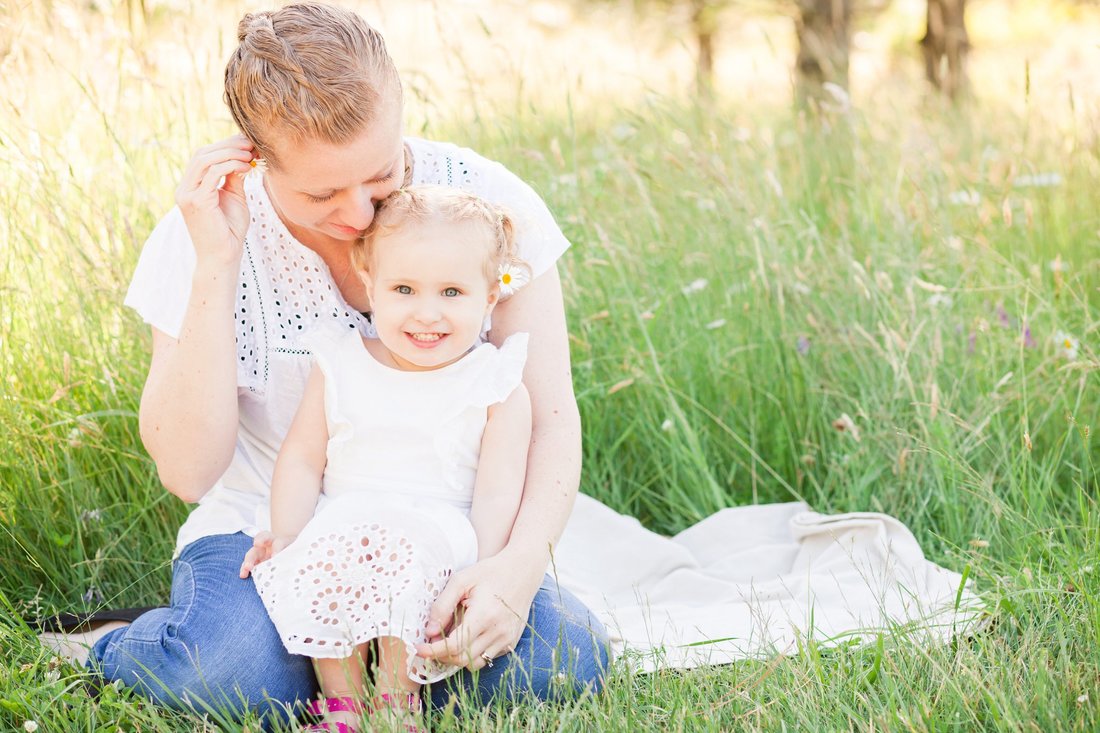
(1029, 342)
(971, 341)
(802, 345)
(1002, 316)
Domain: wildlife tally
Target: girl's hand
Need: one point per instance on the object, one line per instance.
(215, 211)
(496, 595)
(264, 547)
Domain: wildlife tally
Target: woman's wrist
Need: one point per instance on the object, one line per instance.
(212, 285)
(527, 557)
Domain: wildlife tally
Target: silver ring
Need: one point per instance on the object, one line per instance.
(488, 660)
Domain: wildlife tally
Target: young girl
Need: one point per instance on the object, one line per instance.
(406, 458)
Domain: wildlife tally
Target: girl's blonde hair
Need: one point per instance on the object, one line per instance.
(425, 203)
(308, 71)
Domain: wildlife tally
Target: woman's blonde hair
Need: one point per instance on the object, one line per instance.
(308, 71)
(424, 203)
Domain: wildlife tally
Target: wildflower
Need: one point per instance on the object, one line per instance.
(1029, 341)
(718, 323)
(511, 279)
(939, 299)
(802, 345)
(1039, 180)
(1002, 316)
(259, 166)
(965, 197)
(844, 424)
(1082, 699)
(695, 286)
(667, 424)
(1059, 269)
(91, 515)
(30, 726)
(1066, 345)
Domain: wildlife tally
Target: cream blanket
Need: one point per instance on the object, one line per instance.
(755, 581)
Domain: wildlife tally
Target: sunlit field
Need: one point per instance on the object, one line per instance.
(891, 306)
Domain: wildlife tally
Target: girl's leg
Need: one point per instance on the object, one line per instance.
(563, 652)
(214, 649)
(343, 678)
(397, 693)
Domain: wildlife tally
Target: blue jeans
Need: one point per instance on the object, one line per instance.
(215, 650)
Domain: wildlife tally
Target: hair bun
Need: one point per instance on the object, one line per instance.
(254, 23)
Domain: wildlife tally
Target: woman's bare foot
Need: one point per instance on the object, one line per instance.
(75, 646)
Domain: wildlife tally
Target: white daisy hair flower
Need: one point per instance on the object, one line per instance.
(511, 278)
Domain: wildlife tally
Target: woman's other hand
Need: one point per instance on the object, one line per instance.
(211, 197)
(495, 595)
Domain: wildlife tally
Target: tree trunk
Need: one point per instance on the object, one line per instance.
(823, 42)
(945, 45)
(704, 24)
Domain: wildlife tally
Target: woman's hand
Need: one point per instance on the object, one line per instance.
(495, 595)
(215, 210)
(265, 546)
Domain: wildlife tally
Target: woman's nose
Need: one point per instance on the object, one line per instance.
(360, 210)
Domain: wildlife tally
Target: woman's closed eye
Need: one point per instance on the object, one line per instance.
(319, 199)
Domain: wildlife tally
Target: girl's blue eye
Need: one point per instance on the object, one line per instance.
(451, 292)
(404, 289)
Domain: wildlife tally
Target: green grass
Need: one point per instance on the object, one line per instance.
(844, 241)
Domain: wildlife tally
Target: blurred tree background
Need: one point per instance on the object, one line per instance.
(823, 29)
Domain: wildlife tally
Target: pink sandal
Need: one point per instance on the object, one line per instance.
(319, 708)
(402, 703)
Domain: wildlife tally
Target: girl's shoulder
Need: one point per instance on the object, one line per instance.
(494, 372)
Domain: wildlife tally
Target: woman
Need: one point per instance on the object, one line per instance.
(231, 281)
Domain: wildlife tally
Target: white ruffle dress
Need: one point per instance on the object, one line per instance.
(392, 522)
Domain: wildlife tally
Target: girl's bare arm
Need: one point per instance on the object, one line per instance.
(298, 473)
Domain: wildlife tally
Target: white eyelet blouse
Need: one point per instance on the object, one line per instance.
(284, 292)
